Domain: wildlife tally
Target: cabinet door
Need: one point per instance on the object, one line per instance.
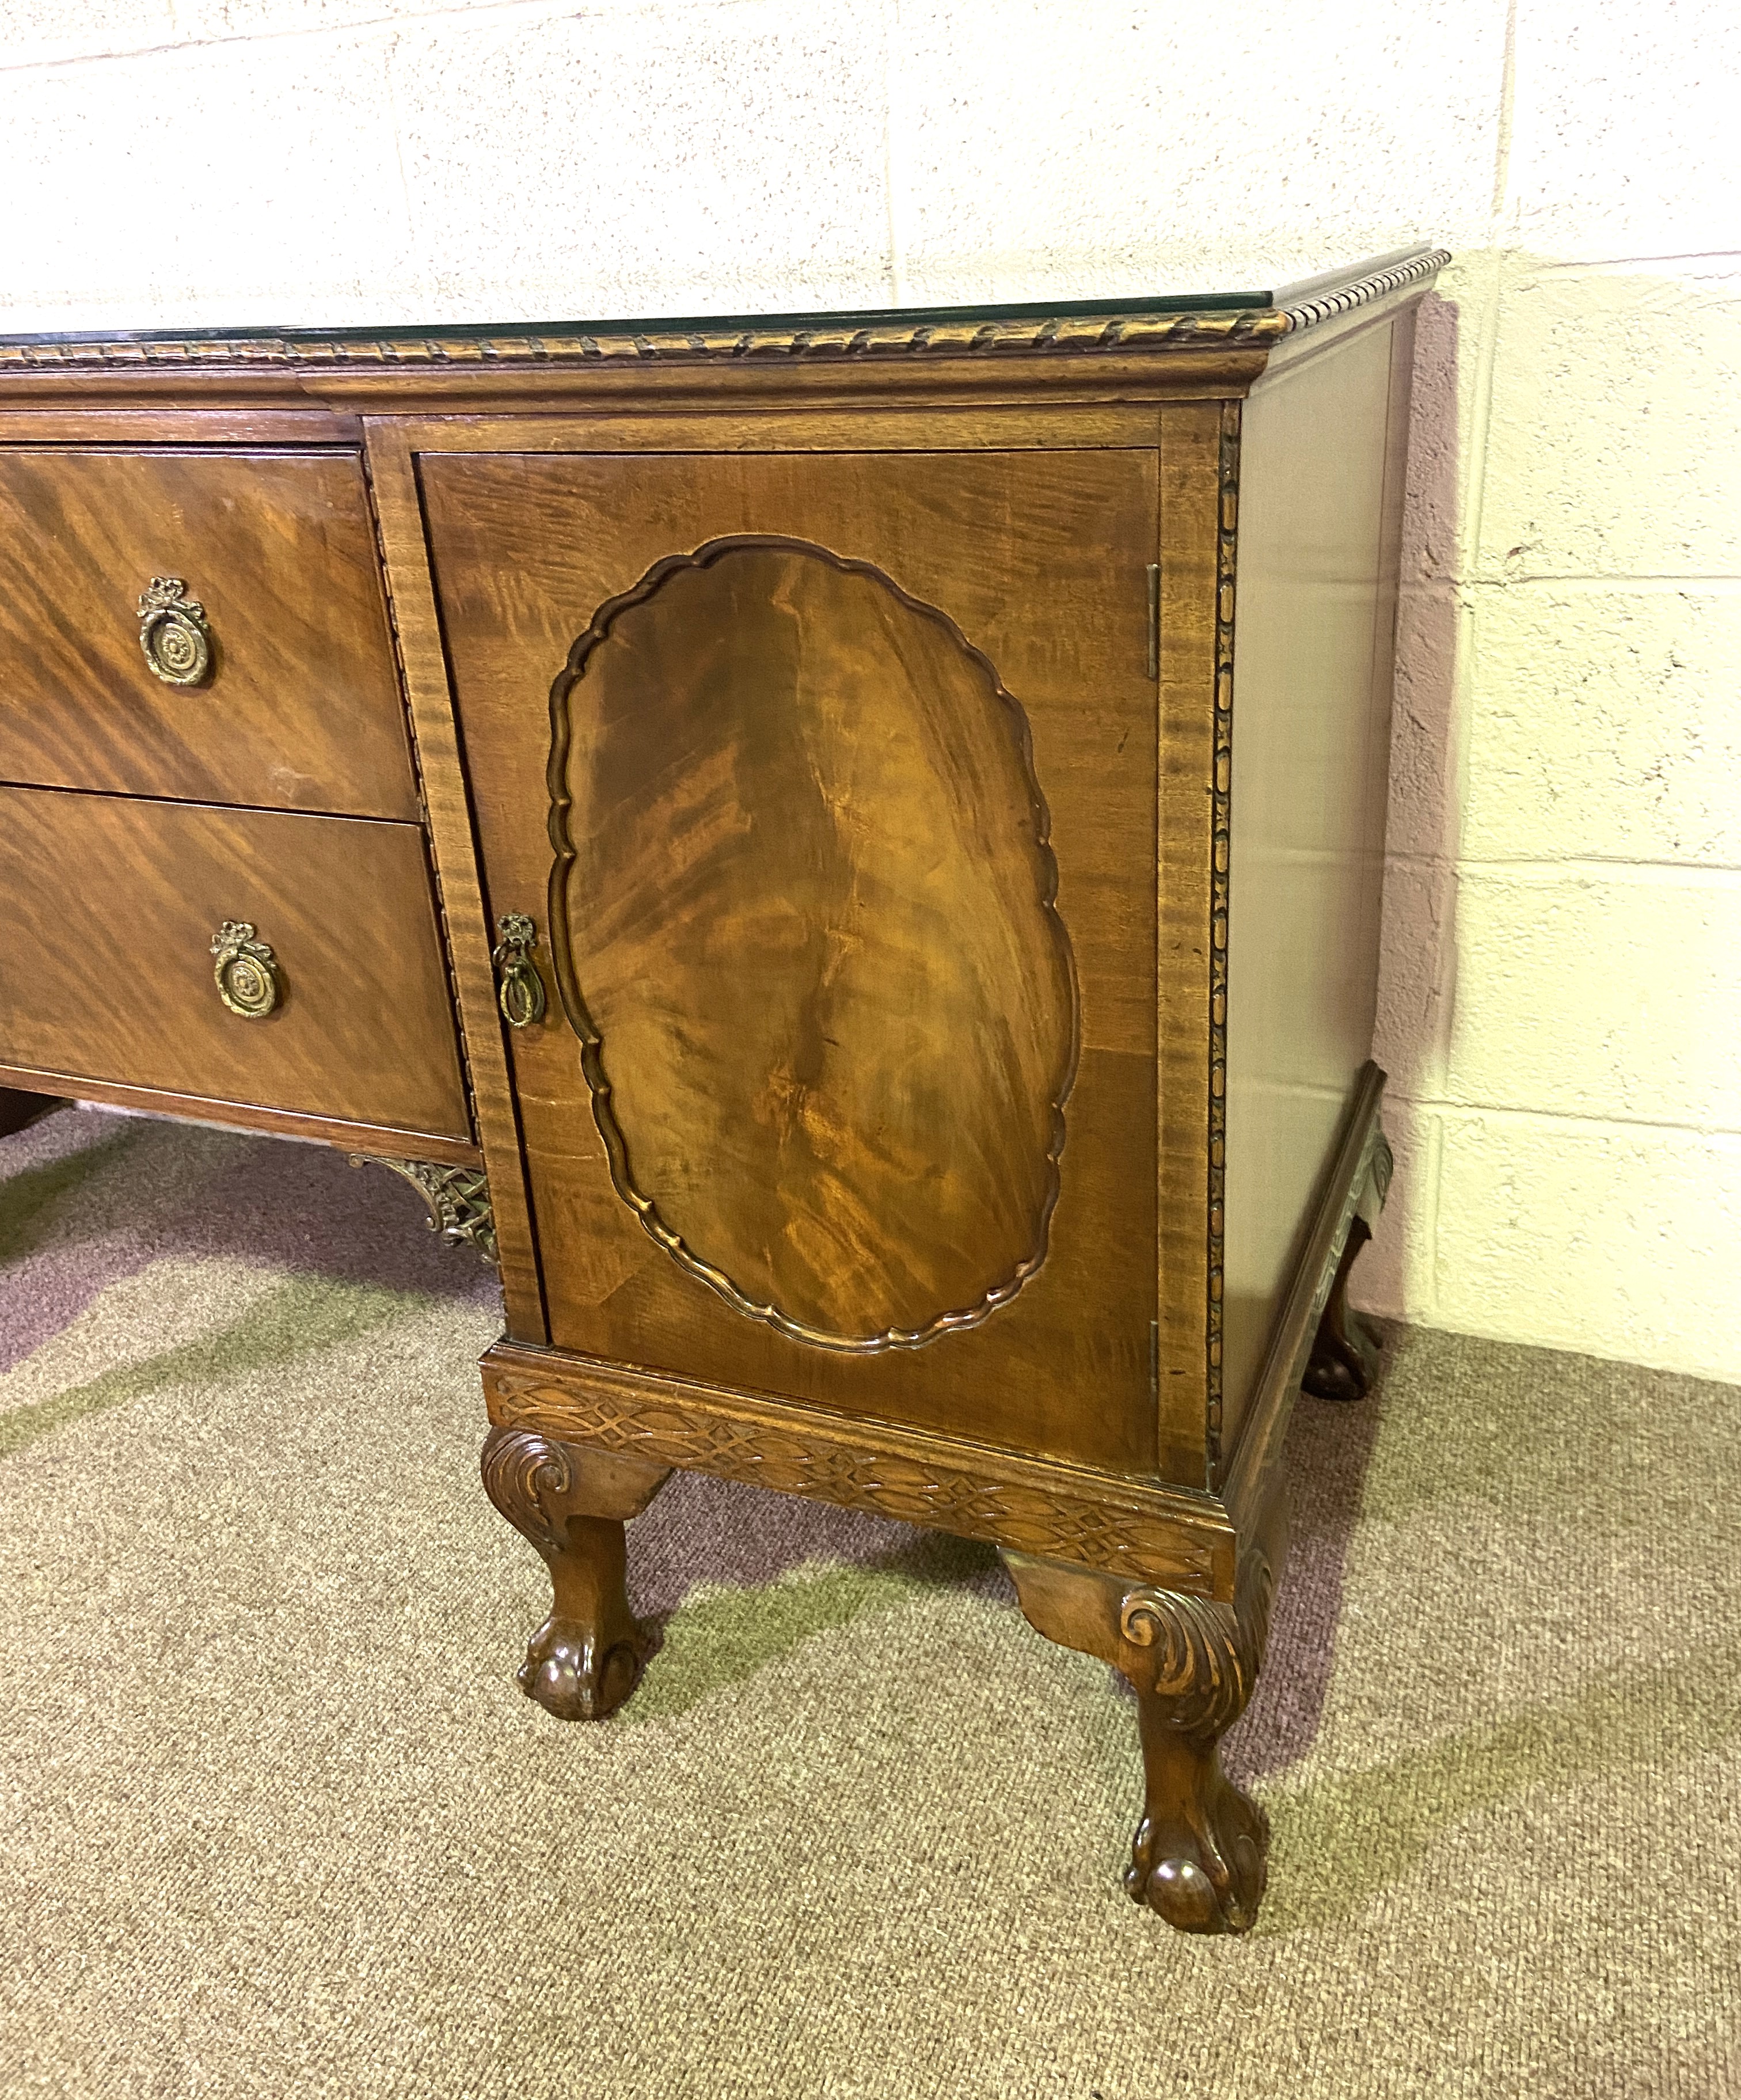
(830, 781)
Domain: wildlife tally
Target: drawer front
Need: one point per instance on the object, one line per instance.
(108, 912)
(298, 707)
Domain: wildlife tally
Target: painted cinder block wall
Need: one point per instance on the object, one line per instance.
(1562, 996)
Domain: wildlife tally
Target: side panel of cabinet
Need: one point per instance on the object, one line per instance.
(845, 766)
(1321, 466)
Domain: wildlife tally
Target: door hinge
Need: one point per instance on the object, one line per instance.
(1154, 619)
(1154, 1362)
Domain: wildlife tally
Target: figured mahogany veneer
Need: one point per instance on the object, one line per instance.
(914, 786)
(803, 908)
(300, 708)
(108, 910)
(814, 885)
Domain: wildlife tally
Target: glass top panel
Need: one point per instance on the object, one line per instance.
(866, 317)
(1252, 300)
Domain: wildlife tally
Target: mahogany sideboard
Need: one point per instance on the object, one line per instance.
(749, 815)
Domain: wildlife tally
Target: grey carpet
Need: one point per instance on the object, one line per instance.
(275, 1820)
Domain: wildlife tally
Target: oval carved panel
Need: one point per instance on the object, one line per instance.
(803, 920)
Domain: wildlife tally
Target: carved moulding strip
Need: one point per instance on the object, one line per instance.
(1142, 1531)
(1306, 313)
(1061, 334)
(1227, 539)
(421, 766)
(1002, 1288)
(457, 1198)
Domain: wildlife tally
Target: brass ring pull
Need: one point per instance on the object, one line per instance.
(520, 991)
(173, 632)
(246, 972)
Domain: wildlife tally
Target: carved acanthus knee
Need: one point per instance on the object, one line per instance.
(1202, 1658)
(572, 1503)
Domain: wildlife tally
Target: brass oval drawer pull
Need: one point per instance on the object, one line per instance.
(174, 634)
(246, 972)
(521, 992)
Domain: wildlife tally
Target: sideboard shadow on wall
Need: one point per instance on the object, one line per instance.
(748, 815)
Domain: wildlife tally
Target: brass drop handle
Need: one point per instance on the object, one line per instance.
(246, 971)
(520, 991)
(174, 634)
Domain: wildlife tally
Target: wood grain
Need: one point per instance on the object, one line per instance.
(583, 386)
(124, 423)
(302, 709)
(393, 485)
(803, 919)
(108, 910)
(378, 1141)
(850, 428)
(1133, 1527)
(1040, 559)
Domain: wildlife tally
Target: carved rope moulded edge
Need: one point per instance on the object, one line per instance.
(386, 572)
(1064, 335)
(1031, 1515)
(1309, 312)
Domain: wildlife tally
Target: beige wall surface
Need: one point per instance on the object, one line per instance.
(1561, 1002)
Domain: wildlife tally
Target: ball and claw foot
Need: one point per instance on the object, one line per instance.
(576, 1676)
(572, 1503)
(1199, 1857)
(1207, 1880)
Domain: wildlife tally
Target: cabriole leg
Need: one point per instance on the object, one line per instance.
(1199, 1853)
(1344, 1358)
(572, 1503)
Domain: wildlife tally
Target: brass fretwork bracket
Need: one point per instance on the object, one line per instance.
(458, 1199)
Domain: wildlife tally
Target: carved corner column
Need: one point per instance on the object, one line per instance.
(1201, 1852)
(572, 1503)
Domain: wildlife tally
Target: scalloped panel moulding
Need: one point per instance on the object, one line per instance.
(804, 922)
